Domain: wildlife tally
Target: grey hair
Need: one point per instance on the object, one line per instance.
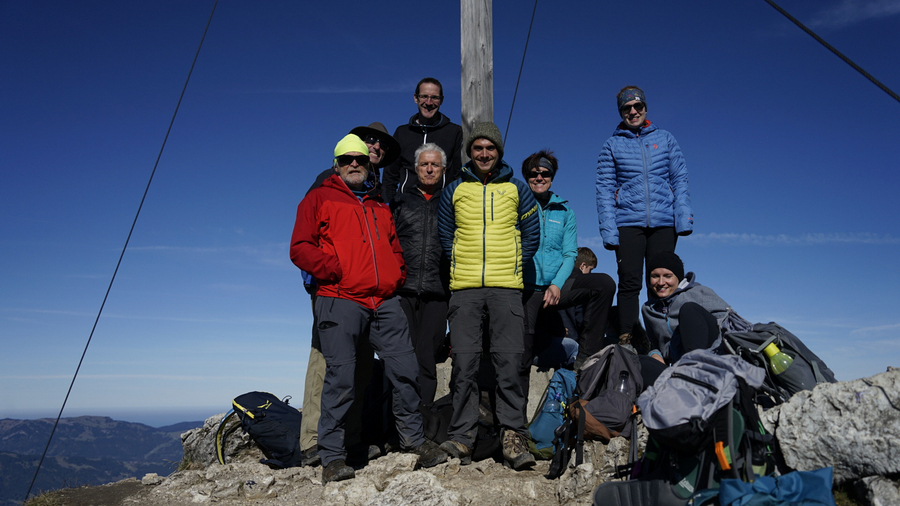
(428, 147)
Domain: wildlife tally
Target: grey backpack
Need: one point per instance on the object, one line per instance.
(607, 385)
(679, 407)
(602, 406)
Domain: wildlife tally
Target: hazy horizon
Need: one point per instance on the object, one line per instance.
(150, 417)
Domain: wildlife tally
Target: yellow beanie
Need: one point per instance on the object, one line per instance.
(349, 144)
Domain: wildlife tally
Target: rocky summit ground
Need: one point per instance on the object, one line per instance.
(852, 426)
(388, 480)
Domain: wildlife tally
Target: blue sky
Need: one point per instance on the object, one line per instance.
(792, 160)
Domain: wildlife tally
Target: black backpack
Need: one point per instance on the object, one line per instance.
(806, 372)
(599, 410)
(271, 423)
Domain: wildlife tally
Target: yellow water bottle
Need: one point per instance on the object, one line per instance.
(778, 360)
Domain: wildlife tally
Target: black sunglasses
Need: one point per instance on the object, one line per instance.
(373, 140)
(639, 107)
(542, 173)
(343, 160)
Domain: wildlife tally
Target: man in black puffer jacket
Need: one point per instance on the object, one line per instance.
(424, 296)
(427, 125)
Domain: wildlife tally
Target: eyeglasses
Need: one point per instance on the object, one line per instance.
(639, 107)
(540, 173)
(433, 98)
(343, 160)
(371, 139)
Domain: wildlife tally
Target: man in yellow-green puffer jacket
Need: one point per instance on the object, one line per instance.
(489, 227)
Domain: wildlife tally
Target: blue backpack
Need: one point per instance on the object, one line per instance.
(552, 413)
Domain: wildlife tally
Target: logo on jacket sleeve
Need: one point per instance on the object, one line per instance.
(529, 213)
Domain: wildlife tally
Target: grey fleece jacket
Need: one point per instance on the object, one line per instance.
(661, 315)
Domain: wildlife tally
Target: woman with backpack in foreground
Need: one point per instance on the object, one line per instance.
(681, 315)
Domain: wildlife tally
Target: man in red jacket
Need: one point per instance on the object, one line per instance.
(344, 236)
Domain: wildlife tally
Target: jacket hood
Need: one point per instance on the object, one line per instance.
(626, 132)
(684, 285)
(373, 187)
(556, 199)
(552, 201)
(443, 120)
(505, 172)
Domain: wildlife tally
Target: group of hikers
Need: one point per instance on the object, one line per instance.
(391, 259)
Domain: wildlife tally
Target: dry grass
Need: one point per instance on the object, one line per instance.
(45, 499)
(844, 496)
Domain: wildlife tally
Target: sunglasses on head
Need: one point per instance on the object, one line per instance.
(542, 173)
(343, 160)
(639, 107)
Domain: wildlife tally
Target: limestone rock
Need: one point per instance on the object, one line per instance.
(382, 471)
(853, 426)
(538, 382)
(200, 444)
(423, 489)
(152, 479)
(879, 491)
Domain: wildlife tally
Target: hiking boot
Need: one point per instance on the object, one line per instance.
(429, 454)
(310, 457)
(515, 450)
(579, 361)
(640, 341)
(360, 454)
(625, 342)
(457, 450)
(337, 470)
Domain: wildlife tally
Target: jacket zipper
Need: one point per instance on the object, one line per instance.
(425, 235)
(371, 246)
(646, 179)
(483, 230)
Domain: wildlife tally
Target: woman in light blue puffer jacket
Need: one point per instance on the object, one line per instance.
(643, 202)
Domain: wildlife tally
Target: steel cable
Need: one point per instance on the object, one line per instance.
(121, 255)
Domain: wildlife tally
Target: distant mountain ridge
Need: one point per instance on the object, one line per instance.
(86, 450)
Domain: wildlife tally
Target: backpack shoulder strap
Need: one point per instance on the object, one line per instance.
(222, 435)
(820, 378)
(579, 435)
(560, 459)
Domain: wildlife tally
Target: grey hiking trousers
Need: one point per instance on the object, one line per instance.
(506, 326)
(341, 323)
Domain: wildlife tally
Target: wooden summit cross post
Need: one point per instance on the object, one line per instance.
(477, 61)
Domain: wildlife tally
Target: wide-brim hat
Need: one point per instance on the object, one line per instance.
(388, 143)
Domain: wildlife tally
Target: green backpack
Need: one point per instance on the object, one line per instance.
(729, 443)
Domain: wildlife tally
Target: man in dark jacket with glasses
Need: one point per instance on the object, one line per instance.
(427, 125)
